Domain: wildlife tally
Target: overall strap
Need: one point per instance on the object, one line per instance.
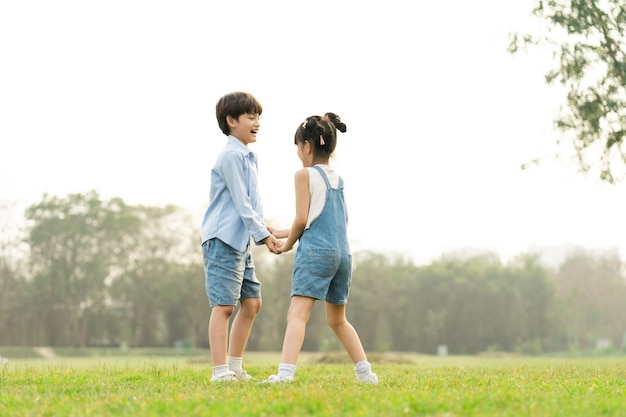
(321, 171)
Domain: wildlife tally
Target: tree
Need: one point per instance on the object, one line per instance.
(591, 292)
(77, 245)
(160, 288)
(535, 289)
(13, 286)
(479, 304)
(372, 300)
(587, 37)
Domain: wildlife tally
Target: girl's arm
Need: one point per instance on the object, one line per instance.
(303, 200)
(278, 233)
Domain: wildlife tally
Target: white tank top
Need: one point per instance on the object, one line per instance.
(317, 190)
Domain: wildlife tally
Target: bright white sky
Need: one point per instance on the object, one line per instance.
(119, 96)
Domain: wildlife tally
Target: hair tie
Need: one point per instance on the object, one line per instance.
(322, 140)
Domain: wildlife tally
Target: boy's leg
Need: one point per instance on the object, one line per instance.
(249, 306)
(239, 335)
(242, 326)
(224, 270)
(222, 267)
(218, 333)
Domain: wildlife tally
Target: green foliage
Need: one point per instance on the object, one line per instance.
(428, 387)
(105, 273)
(588, 40)
(76, 243)
(101, 273)
(591, 299)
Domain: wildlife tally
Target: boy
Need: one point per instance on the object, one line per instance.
(234, 216)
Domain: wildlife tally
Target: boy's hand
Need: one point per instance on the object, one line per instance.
(273, 244)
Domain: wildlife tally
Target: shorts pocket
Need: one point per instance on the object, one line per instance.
(322, 262)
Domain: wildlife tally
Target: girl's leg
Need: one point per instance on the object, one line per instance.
(242, 326)
(336, 319)
(297, 318)
(218, 333)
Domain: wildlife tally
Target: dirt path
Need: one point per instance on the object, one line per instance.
(46, 352)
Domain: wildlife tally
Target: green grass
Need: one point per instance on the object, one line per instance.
(424, 386)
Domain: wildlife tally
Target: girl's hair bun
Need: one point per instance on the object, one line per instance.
(336, 120)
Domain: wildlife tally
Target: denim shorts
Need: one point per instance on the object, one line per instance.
(229, 274)
(322, 274)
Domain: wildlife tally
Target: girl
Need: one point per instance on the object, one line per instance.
(323, 263)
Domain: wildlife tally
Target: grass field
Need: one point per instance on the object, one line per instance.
(115, 385)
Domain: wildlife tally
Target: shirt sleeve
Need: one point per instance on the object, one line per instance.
(234, 167)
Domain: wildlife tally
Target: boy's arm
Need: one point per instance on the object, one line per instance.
(233, 169)
(303, 201)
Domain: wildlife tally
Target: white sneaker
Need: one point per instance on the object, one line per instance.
(242, 375)
(228, 376)
(276, 379)
(369, 379)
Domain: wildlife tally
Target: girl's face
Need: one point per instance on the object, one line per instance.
(245, 127)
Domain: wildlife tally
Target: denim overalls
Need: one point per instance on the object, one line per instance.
(323, 263)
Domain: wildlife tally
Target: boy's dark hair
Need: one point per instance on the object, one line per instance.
(321, 132)
(235, 104)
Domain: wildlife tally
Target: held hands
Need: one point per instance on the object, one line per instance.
(284, 247)
(273, 244)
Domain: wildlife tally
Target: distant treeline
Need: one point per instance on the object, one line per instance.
(92, 272)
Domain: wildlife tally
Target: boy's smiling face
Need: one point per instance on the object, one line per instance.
(245, 127)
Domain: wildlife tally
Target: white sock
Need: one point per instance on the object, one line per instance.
(286, 369)
(220, 369)
(363, 368)
(234, 364)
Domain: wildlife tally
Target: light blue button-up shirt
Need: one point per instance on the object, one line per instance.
(235, 212)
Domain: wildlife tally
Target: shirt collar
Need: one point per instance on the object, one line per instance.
(240, 146)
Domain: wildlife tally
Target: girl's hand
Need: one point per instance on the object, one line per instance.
(284, 248)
